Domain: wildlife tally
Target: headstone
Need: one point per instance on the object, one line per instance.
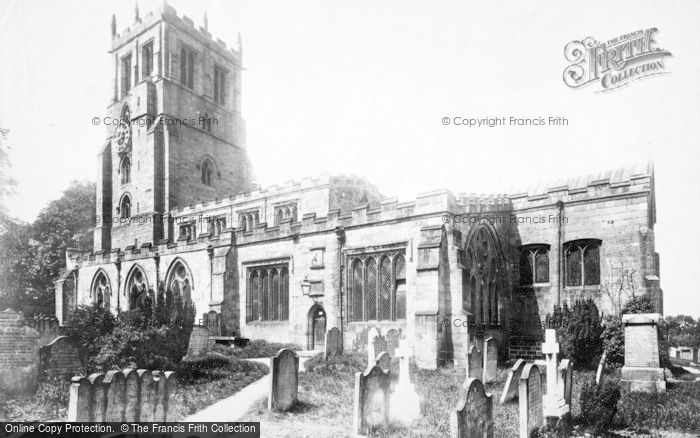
(170, 390)
(371, 401)
(490, 353)
(19, 355)
(159, 384)
(80, 400)
(333, 347)
(475, 363)
(601, 368)
(372, 352)
(116, 392)
(554, 405)
(565, 380)
(148, 395)
(99, 397)
(199, 341)
(384, 360)
(132, 396)
(642, 371)
(392, 341)
(59, 358)
(284, 380)
(530, 401)
(510, 390)
(472, 417)
(404, 399)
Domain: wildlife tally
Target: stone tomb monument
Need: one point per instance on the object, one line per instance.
(371, 400)
(554, 405)
(472, 416)
(565, 380)
(475, 363)
(490, 353)
(19, 355)
(284, 380)
(404, 399)
(510, 389)
(642, 371)
(332, 344)
(530, 401)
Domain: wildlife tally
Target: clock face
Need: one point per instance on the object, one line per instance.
(122, 136)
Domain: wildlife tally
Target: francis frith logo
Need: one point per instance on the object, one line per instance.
(616, 62)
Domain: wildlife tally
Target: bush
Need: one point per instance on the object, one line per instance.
(599, 405)
(578, 331)
(255, 348)
(153, 335)
(613, 337)
(85, 327)
(639, 304)
(676, 409)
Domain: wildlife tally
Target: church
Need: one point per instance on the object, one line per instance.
(176, 206)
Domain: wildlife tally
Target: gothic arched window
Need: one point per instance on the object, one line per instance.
(534, 264)
(125, 170)
(136, 286)
(582, 262)
(179, 281)
(484, 268)
(125, 207)
(207, 171)
(377, 290)
(101, 291)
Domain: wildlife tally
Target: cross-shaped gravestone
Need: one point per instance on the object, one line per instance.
(554, 404)
(404, 400)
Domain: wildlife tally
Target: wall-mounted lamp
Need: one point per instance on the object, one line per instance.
(305, 286)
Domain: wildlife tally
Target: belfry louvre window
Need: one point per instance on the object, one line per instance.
(377, 287)
(147, 60)
(219, 85)
(126, 74)
(267, 293)
(534, 264)
(187, 67)
(582, 262)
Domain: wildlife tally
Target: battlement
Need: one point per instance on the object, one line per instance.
(165, 12)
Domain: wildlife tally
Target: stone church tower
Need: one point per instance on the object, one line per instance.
(175, 134)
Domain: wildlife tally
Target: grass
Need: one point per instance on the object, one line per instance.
(254, 349)
(201, 382)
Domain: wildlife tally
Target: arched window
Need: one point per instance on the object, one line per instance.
(484, 268)
(208, 169)
(125, 170)
(101, 291)
(125, 207)
(179, 281)
(582, 262)
(377, 290)
(534, 264)
(136, 286)
(267, 294)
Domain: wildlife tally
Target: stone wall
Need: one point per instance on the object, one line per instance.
(19, 355)
(60, 359)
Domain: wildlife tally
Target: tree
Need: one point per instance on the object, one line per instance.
(578, 331)
(621, 287)
(683, 330)
(7, 183)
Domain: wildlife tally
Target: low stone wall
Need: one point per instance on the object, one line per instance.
(119, 396)
(525, 348)
(59, 359)
(19, 355)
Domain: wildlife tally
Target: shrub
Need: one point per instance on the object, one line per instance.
(155, 334)
(85, 327)
(613, 337)
(599, 404)
(255, 348)
(578, 331)
(676, 409)
(639, 304)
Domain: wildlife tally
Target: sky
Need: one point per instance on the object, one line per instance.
(362, 87)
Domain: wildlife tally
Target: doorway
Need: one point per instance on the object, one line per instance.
(317, 327)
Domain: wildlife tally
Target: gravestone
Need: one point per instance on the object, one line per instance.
(59, 358)
(384, 360)
(554, 404)
(159, 383)
(80, 401)
(472, 417)
(475, 363)
(372, 334)
(19, 355)
(371, 400)
(284, 380)
(510, 389)
(392, 341)
(133, 395)
(332, 347)
(642, 371)
(199, 341)
(99, 397)
(404, 399)
(490, 353)
(566, 380)
(149, 391)
(601, 368)
(530, 401)
(116, 396)
(170, 389)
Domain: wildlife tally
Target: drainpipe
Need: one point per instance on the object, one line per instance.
(340, 234)
(560, 258)
(118, 264)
